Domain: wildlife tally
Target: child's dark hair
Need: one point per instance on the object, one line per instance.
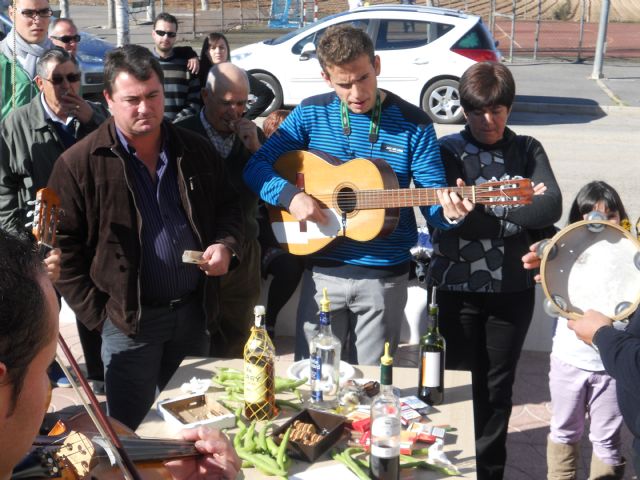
(590, 195)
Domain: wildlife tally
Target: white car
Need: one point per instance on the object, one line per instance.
(423, 52)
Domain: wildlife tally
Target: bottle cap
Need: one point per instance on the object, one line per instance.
(386, 359)
(259, 312)
(325, 303)
(433, 297)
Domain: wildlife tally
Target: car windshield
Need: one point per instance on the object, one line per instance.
(287, 36)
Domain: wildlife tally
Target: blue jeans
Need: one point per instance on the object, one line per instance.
(138, 367)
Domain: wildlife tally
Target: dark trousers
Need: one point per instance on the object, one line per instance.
(138, 366)
(91, 342)
(484, 334)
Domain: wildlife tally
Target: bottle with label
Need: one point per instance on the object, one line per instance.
(432, 359)
(384, 462)
(259, 382)
(325, 349)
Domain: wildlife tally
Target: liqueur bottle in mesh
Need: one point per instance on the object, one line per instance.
(259, 383)
(324, 361)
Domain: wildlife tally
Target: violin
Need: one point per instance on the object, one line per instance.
(74, 450)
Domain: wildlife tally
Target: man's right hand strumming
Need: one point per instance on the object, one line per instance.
(305, 207)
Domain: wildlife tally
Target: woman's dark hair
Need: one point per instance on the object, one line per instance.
(590, 195)
(273, 121)
(205, 61)
(24, 328)
(485, 85)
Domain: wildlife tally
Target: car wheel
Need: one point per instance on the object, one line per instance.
(441, 101)
(275, 87)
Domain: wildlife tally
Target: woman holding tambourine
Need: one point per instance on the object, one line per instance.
(486, 298)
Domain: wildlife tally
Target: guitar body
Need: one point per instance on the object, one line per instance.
(362, 200)
(330, 182)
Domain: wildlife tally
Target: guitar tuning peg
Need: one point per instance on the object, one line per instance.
(28, 225)
(31, 202)
(30, 213)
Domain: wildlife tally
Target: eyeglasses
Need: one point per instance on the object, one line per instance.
(58, 79)
(32, 14)
(67, 38)
(162, 33)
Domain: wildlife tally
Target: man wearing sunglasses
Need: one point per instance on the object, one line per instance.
(36, 134)
(29, 35)
(181, 85)
(64, 34)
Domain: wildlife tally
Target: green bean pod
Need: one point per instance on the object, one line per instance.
(265, 464)
(282, 449)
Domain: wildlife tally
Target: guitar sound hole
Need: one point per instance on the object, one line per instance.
(347, 200)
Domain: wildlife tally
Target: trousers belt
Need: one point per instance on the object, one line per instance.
(174, 303)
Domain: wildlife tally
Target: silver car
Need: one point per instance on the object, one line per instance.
(91, 54)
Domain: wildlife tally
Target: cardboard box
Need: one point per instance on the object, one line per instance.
(190, 411)
(330, 426)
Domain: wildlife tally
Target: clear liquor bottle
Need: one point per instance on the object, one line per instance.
(432, 359)
(325, 350)
(259, 381)
(384, 462)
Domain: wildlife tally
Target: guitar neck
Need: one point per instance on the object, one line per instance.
(408, 197)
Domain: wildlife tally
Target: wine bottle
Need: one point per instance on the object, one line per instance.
(325, 349)
(384, 461)
(259, 382)
(432, 359)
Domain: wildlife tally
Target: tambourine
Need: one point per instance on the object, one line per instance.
(591, 264)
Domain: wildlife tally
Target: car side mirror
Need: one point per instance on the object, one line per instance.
(308, 51)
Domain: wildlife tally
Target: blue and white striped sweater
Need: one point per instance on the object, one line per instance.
(407, 142)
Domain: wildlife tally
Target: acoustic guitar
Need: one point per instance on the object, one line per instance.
(46, 213)
(362, 200)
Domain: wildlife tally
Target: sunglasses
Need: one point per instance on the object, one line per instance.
(58, 79)
(162, 33)
(32, 14)
(67, 38)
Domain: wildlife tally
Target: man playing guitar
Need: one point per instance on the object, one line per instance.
(366, 281)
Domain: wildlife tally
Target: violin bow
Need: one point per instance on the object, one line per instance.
(96, 414)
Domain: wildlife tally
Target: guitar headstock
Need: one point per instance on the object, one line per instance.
(45, 217)
(512, 191)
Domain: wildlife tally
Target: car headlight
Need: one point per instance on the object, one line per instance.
(83, 57)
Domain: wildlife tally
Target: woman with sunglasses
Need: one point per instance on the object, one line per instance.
(215, 49)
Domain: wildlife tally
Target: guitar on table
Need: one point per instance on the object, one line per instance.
(362, 200)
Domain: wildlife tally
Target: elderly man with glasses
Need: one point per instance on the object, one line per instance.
(35, 135)
(235, 138)
(64, 34)
(24, 44)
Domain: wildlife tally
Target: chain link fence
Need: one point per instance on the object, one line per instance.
(523, 28)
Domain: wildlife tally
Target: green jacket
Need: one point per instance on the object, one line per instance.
(29, 147)
(25, 87)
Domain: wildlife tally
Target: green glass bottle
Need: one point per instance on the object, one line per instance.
(432, 359)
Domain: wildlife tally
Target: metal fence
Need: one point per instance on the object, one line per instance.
(523, 28)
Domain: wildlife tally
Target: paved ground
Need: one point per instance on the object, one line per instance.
(553, 86)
